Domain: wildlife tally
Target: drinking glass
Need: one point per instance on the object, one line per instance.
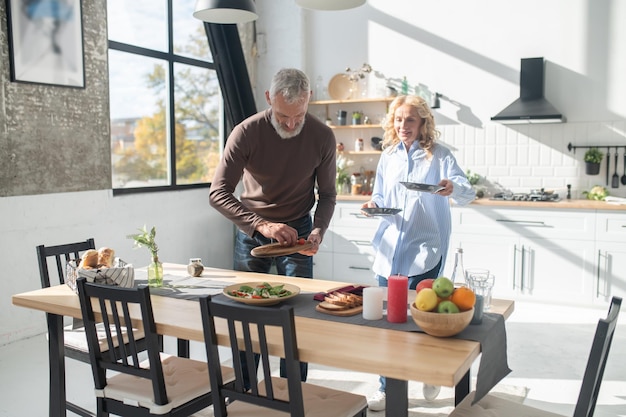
(476, 274)
(482, 285)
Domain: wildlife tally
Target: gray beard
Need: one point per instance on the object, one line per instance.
(282, 132)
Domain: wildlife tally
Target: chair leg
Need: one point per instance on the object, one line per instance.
(56, 357)
(76, 409)
(100, 408)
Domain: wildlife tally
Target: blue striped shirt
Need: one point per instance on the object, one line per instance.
(413, 241)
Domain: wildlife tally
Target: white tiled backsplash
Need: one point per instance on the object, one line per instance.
(519, 158)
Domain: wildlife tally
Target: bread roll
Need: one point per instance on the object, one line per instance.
(106, 256)
(89, 259)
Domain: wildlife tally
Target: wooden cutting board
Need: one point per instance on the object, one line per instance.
(276, 249)
(338, 312)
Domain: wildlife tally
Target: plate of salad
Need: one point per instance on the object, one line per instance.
(261, 293)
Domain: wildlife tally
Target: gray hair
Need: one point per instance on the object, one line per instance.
(292, 84)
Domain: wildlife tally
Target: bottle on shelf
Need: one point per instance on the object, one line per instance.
(458, 273)
(358, 145)
(321, 92)
(405, 86)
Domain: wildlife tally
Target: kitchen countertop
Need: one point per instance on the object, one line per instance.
(485, 202)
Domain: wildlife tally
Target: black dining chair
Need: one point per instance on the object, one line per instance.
(52, 271)
(592, 379)
(248, 328)
(75, 343)
(127, 381)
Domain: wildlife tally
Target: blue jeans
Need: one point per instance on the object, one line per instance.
(413, 281)
(295, 265)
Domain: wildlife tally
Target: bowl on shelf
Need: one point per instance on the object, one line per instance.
(441, 324)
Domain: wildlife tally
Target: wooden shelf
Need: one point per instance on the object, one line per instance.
(361, 126)
(354, 101)
(363, 152)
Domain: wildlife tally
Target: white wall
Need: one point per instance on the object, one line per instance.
(186, 227)
(470, 52)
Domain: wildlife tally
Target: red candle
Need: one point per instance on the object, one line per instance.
(397, 298)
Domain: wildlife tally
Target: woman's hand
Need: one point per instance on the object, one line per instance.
(448, 187)
(368, 204)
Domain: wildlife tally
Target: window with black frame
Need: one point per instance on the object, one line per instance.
(165, 98)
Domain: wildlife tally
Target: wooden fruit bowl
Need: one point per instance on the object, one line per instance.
(441, 324)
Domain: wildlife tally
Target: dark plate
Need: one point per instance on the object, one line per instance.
(380, 211)
(428, 188)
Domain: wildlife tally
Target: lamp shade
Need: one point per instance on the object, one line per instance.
(330, 4)
(225, 11)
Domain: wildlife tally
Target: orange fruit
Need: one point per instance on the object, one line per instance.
(464, 298)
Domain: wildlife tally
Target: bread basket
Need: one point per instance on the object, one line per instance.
(120, 274)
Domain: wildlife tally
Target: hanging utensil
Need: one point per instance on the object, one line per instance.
(615, 179)
(608, 161)
(624, 176)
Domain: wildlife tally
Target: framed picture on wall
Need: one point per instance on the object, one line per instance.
(46, 42)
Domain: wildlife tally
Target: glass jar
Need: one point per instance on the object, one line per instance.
(195, 267)
(155, 273)
(357, 183)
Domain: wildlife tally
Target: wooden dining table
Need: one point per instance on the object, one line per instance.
(401, 356)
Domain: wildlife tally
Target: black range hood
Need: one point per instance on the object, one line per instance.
(531, 106)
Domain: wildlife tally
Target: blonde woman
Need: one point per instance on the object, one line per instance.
(415, 241)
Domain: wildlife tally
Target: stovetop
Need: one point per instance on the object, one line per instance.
(532, 196)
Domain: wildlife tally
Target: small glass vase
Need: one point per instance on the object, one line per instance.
(155, 273)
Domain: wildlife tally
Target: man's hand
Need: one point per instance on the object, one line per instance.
(280, 232)
(314, 238)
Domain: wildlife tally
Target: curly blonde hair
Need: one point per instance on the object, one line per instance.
(428, 133)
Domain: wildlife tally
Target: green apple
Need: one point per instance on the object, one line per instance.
(443, 287)
(448, 307)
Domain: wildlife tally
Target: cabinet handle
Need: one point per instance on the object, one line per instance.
(598, 274)
(543, 224)
(523, 274)
(361, 216)
(514, 266)
(361, 242)
(599, 271)
(360, 268)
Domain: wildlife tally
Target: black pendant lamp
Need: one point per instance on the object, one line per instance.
(225, 11)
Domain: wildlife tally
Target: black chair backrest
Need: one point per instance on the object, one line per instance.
(62, 254)
(114, 306)
(248, 330)
(594, 372)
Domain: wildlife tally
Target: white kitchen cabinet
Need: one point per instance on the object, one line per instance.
(323, 265)
(610, 275)
(543, 254)
(347, 253)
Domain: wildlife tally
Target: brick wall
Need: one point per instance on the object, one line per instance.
(56, 139)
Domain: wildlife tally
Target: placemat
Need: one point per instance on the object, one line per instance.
(491, 333)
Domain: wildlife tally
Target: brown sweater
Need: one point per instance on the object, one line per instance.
(279, 175)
